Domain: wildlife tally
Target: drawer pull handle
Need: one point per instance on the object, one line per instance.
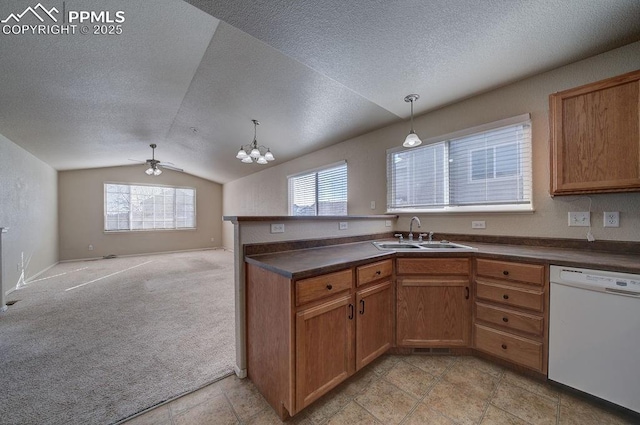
(505, 272)
(378, 272)
(329, 287)
(466, 293)
(505, 319)
(361, 305)
(505, 296)
(504, 346)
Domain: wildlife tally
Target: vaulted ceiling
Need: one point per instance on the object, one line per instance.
(190, 76)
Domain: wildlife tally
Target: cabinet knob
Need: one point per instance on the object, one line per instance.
(329, 287)
(505, 272)
(505, 319)
(504, 346)
(378, 272)
(505, 296)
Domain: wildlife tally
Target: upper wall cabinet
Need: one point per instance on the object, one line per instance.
(595, 137)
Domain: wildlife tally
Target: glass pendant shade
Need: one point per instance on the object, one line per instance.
(412, 140)
(241, 154)
(255, 153)
(269, 156)
(252, 152)
(261, 160)
(149, 171)
(247, 160)
(157, 172)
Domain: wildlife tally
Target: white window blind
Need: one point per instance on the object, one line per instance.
(319, 192)
(486, 168)
(141, 207)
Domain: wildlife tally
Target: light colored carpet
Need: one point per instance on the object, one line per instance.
(160, 327)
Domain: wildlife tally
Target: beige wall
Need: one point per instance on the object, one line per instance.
(28, 207)
(81, 210)
(265, 193)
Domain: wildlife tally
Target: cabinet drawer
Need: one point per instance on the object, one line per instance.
(315, 288)
(511, 347)
(508, 295)
(529, 273)
(374, 271)
(510, 319)
(433, 266)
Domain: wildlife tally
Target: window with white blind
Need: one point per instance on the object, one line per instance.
(140, 207)
(322, 191)
(485, 168)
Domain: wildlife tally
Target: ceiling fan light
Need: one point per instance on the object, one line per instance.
(157, 172)
(247, 160)
(269, 156)
(241, 154)
(149, 171)
(261, 160)
(412, 140)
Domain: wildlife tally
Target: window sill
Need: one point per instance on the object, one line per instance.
(526, 209)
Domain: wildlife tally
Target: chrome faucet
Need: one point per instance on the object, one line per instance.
(411, 226)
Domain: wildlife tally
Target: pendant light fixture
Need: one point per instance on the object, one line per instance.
(259, 154)
(412, 139)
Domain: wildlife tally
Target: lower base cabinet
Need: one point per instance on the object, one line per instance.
(303, 339)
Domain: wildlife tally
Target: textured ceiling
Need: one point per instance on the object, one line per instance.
(313, 72)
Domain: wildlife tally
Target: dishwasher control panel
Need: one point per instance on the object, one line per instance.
(597, 280)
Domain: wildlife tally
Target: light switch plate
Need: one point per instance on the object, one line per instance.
(343, 225)
(478, 224)
(579, 219)
(277, 228)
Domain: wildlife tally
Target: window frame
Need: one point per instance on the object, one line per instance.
(195, 222)
(290, 196)
(523, 207)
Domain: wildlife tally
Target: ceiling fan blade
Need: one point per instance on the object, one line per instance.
(169, 167)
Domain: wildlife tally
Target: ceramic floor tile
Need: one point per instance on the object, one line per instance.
(269, 417)
(386, 402)
(158, 416)
(471, 381)
(245, 399)
(495, 416)
(353, 414)
(190, 400)
(411, 379)
(384, 363)
(435, 365)
(463, 408)
(359, 382)
(530, 384)
(531, 407)
(215, 411)
(482, 365)
(591, 415)
(328, 405)
(423, 415)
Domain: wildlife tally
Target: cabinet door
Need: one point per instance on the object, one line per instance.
(324, 348)
(595, 137)
(374, 324)
(433, 312)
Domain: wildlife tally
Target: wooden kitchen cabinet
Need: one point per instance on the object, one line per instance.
(595, 137)
(306, 336)
(433, 302)
(511, 311)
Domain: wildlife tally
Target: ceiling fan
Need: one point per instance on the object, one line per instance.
(155, 165)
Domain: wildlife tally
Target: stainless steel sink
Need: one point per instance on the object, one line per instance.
(444, 246)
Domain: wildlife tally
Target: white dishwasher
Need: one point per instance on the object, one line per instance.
(594, 333)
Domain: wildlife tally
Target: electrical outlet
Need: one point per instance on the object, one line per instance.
(478, 224)
(90, 247)
(387, 223)
(373, 205)
(611, 219)
(213, 239)
(277, 228)
(579, 219)
(343, 225)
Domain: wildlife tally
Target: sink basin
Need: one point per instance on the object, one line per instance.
(444, 246)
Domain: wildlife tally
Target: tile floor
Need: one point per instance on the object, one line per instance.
(411, 390)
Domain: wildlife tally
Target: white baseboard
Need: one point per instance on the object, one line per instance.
(144, 254)
(241, 373)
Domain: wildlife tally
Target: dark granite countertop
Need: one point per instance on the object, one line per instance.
(314, 261)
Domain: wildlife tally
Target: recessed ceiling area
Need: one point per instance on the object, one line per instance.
(313, 73)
